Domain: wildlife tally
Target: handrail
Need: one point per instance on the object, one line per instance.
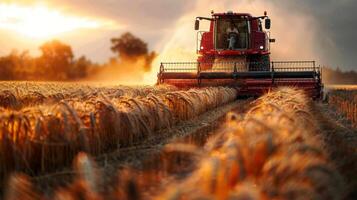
(235, 67)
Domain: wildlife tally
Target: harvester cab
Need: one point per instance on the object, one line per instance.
(235, 52)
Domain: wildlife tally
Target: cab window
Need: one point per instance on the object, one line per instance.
(226, 26)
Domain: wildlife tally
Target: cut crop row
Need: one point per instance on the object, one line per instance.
(271, 153)
(45, 138)
(17, 95)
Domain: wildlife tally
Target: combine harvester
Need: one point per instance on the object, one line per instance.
(235, 52)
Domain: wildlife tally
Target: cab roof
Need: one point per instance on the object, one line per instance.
(230, 13)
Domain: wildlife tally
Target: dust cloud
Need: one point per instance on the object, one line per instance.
(294, 32)
(126, 72)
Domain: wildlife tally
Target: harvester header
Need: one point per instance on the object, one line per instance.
(235, 52)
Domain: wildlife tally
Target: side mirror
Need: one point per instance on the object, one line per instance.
(272, 40)
(267, 23)
(197, 24)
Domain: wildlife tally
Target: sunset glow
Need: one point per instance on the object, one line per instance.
(42, 22)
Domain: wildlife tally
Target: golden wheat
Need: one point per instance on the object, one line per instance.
(345, 102)
(43, 138)
(273, 152)
(17, 95)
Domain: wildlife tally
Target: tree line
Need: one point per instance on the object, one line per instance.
(338, 76)
(57, 62)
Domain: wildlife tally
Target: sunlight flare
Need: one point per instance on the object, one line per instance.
(42, 22)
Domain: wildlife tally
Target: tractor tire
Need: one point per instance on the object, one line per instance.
(260, 63)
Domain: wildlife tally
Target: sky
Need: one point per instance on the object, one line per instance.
(322, 30)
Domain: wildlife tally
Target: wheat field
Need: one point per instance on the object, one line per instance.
(274, 151)
(43, 136)
(345, 102)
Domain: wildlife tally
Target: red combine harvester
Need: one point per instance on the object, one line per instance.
(235, 52)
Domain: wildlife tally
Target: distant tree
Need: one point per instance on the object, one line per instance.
(80, 68)
(338, 76)
(25, 65)
(18, 66)
(131, 48)
(56, 60)
(55, 63)
(7, 68)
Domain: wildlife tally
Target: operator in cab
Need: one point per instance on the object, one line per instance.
(233, 35)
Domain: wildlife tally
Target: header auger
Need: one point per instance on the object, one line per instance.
(236, 52)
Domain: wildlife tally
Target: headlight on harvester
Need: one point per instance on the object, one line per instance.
(261, 47)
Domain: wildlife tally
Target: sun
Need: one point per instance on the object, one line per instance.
(41, 22)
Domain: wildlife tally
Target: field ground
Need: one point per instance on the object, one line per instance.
(336, 131)
(339, 136)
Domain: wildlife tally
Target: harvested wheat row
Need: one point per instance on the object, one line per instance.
(272, 153)
(17, 95)
(44, 138)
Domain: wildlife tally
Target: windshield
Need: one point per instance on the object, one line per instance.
(231, 34)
